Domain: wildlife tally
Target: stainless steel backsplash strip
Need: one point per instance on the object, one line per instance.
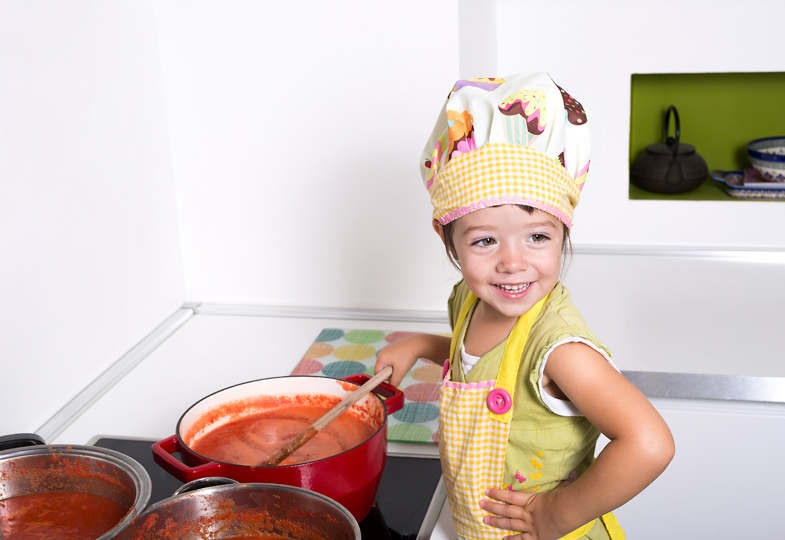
(709, 386)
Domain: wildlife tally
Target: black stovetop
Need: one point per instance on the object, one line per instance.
(405, 493)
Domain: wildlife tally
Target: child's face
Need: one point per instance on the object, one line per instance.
(509, 258)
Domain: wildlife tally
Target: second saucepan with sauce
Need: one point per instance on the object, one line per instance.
(67, 491)
(231, 432)
(216, 508)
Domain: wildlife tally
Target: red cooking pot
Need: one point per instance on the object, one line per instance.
(351, 477)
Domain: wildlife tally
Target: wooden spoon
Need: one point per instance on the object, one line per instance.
(328, 417)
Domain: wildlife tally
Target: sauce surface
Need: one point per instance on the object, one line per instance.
(253, 439)
(58, 515)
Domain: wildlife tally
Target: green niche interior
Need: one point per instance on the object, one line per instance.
(719, 114)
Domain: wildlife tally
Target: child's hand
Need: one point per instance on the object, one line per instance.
(400, 356)
(403, 353)
(527, 513)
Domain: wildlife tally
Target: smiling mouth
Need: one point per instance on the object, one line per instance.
(514, 288)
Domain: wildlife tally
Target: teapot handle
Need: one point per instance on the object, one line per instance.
(677, 130)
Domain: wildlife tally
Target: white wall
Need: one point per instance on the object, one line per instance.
(296, 132)
(89, 247)
(297, 127)
(592, 49)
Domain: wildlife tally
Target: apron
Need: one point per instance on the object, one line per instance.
(474, 426)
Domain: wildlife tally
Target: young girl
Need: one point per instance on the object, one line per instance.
(527, 387)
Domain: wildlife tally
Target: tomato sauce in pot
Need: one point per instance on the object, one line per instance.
(58, 515)
(251, 440)
(350, 477)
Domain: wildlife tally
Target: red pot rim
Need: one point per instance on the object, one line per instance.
(181, 440)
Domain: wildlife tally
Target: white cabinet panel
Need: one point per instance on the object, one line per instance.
(725, 480)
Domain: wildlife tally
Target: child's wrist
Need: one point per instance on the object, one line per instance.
(561, 511)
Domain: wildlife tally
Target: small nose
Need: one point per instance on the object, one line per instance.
(512, 259)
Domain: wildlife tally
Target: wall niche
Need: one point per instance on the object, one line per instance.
(719, 114)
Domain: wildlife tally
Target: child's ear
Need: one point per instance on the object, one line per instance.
(448, 244)
(438, 228)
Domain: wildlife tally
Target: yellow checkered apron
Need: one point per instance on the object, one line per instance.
(473, 440)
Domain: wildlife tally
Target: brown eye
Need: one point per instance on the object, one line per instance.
(485, 242)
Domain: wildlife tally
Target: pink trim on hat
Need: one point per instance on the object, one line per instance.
(581, 176)
(584, 170)
(498, 201)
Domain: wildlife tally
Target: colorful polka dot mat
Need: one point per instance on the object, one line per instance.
(342, 353)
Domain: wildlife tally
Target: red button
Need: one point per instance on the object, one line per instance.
(499, 401)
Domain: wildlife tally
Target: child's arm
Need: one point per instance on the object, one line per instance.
(640, 448)
(403, 353)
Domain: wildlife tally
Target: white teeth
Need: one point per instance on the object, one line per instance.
(514, 288)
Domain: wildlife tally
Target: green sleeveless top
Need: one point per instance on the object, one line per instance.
(543, 447)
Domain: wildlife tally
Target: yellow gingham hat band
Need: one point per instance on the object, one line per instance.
(500, 173)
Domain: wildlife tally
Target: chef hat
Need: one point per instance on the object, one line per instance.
(517, 140)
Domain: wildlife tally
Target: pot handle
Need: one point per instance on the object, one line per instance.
(18, 440)
(677, 130)
(209, 481)
(163, 454)
(390, 395)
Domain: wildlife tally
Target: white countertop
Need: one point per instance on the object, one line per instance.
(206, 354)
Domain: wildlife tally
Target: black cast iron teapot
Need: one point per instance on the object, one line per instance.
(669, 167)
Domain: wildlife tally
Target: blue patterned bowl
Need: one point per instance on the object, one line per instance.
(768, 157)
